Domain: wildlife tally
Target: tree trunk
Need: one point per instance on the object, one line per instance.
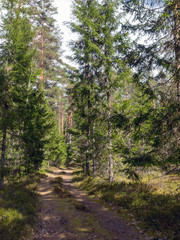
(69, 126)
(19, 4)
(3, 145)
(87, 160)
(3, 150)
(177, 45)
(69, 121)
(88, 140)
(59, 113)
(62, 115)
(94, 159)
(59, 110)
(41, 83)
(111, 173)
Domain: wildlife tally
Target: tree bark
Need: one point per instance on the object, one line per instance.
(41, 83)
(19, 4)
(88, 139)
(62, 114)
(94, 159)
(111, 172)
(3, 147)
(69, 120)
(177, 45)
(59, 110)
(3, 150)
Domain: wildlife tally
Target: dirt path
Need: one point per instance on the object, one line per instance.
(77, 217)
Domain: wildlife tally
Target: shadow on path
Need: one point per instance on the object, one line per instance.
(109, 220)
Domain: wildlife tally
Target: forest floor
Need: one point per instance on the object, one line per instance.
(67, 213)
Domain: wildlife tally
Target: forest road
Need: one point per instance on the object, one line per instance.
(76, 216)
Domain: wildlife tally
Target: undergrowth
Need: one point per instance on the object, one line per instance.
(18, 205)
(154, 212)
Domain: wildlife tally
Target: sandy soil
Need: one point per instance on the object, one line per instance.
(77, 217)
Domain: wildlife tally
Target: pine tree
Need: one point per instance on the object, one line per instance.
(48, 43)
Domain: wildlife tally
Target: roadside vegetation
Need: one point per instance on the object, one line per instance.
(18, 208)
(149, 205)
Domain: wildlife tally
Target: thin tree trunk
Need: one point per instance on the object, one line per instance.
(62, 115)
(59, 110)
(111, 172)
(177, 45)
(87, 154)
(88, 140)
(69, 123)
(41, 83)
(70, 135)
(71, 108)
(94, 159)
(88, 103)
(70, 118)
(89, 124)
(3, 146)
(3, 150)
(59, 113)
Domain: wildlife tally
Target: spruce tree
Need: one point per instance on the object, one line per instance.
(156, 64)
(27, 124)
(84, 52)
(96, 52)
(16, 63)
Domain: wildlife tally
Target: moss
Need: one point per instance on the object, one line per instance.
(18, 203)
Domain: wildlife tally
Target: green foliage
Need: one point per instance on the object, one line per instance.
(26, 124)
(155, 212)
(18, 206)
(101, 71)
(36, 126)
(48, 50)
(56, 149)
